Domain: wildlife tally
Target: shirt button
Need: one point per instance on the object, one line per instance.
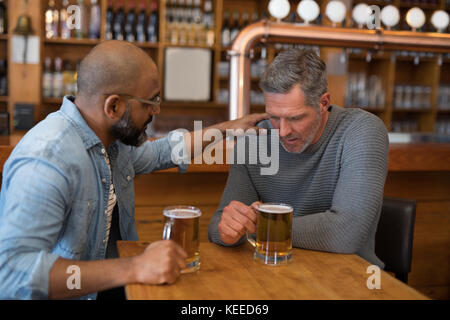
(104, 180)
(104, 241)
(103, 151)
(106, 211)
(128, 178)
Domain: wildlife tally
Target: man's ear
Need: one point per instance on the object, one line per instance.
(325, 101)
(113, 107)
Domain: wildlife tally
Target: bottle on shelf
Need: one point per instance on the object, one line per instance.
(141, 23)
(51, 20)
(119, 22)
(235, 29)
(83, 31)
(226, 31)
(3, 78)
(68, 79)
(109, 28)
(193, 28)
(65, 30)
(183, 24)
(58, 80)
(255, 17)
(245, 19)
(130, 23)
(153, 24)
(3, 18)
(95, 20)
(47, 79)
(208, 18)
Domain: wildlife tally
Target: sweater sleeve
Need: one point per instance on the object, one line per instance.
(358, 196)
(239, 187)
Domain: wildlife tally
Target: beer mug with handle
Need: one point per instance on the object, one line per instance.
(273, 243)
(182, 226)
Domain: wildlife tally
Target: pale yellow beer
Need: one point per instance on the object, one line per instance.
(182, 226)
(273, 243)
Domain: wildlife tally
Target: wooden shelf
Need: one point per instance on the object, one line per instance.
(169, 45)
(411, 110)
(4, 37)
(147, 45)
(73, 41)
(4, 98)
(420, 5)
(52, 100)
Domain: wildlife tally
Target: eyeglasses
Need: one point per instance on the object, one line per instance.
(155, 103)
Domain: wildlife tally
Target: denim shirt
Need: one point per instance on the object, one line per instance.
(54, 198)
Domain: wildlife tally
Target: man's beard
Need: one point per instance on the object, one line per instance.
(128, 132)
(306, 141)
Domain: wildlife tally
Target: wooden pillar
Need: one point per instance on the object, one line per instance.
(24, 79)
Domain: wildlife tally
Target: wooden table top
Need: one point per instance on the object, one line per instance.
(232, 274)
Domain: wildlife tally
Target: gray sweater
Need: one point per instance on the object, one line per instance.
(335, 186)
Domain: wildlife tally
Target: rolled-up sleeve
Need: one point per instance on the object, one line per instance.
(161, 154)
(33, 207)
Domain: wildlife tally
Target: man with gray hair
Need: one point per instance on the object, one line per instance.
(333, 166)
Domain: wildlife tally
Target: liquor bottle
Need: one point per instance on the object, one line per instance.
(51, 21)
(130, 23)
(83, 31)
(140, 25)
(192, 28)
(47, 79)
(3, 18)
(177, 22)
(95, 20)
(169, 22)
(65, 29)
(235, 29)
(75, 77)
(153, 24)
(245, 17)
(67, 78)
(118, 22)
(109, 31)
(209, 23)
(58, 81)
(226, 32)
(255, 17)
(3, 78)
(183, 21)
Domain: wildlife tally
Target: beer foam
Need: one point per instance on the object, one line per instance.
(182, 213)
(272, 208)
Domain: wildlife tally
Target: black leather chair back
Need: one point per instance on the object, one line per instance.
(394, 237)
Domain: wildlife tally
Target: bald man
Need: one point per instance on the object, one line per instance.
(68, 194)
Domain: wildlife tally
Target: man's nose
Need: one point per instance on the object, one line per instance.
(285, 128)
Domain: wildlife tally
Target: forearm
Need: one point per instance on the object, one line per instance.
(328, 231)
(94, 276)
(196, 141)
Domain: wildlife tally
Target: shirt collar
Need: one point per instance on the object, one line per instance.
(73, 115)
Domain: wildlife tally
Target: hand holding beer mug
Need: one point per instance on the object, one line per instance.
(273, 243)
(182, 226)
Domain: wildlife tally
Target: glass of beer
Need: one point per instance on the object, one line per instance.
(273, 244)
(182, 226)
